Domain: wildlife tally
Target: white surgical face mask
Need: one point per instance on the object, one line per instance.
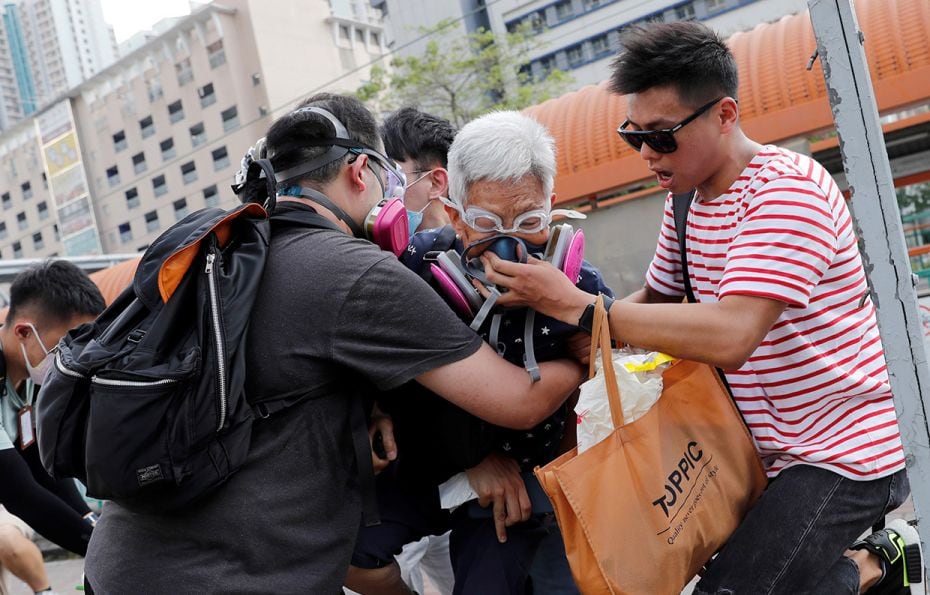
(37, 373)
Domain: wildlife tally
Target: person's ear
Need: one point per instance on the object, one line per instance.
(552, 200)
(21, 331)
(728, 114)
(455, 218)
(355, 172)
(439, 183)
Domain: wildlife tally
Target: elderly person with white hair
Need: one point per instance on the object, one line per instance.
(501, 172)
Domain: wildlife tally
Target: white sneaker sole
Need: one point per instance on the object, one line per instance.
(913, 555)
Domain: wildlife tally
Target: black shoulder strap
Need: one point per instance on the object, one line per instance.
(681, 204)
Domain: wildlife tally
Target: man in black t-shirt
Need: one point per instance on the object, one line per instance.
(331, 320)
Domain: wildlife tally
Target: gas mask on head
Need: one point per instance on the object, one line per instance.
(385, 224)
(454, 274)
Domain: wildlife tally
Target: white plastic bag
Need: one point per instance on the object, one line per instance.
(639, 377)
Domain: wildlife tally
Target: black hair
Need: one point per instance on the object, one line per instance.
(685, 55)
(412, 135)
(287, 136)
(57, 289)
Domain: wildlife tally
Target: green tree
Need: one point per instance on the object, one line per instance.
(463, 77)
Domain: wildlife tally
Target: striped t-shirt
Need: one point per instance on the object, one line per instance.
(816, 390)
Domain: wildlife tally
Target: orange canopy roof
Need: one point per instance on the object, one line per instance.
(779, 98)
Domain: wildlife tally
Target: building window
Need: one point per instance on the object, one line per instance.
(151, 221)
(592, 4)
(575, 55)
(715, 5)
(220, 159)
(216, 54)
(37, 241)
(600, 46)
(564, 10)
(27, 190)
(207, 96)
(184, 72)
(375, 39)
(153, 84)
(180, 209)
(685, 12)
(119, 141)
(21, 221)
(132, 198)
(198, 135)
(147, 126)
(42, 207)
(159, 186)
(230, 118)
(44, 181)
(138, 162)
(113, 176)
(189, 172)
(344, 34)
(167, 149)
(57, 235)
(125, 232)
(3, 233)
(7, 202)
(211, 196)
(17, 250)
(175, 111)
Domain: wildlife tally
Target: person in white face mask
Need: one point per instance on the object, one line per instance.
(45, 302)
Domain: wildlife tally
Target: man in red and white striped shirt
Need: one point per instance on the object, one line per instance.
(782, 308)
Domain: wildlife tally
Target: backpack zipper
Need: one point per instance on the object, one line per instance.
(64, 369)
(132, 383)
(218, 337)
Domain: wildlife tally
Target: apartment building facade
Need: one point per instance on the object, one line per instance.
(46, 48)
(161, 132)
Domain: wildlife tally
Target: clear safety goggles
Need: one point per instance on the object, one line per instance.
(395, 182)
(532, 221)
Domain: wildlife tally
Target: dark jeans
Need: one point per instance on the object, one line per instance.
(793, 539)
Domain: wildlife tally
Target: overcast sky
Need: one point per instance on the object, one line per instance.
(128, 17)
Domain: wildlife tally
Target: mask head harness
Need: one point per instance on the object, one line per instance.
(385, 225)
(256, 165)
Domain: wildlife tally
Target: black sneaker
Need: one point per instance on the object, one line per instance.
(898, 546)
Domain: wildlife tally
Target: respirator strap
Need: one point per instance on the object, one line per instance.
(529, 348)
(486, 308)
(321, 198)
(494, 337)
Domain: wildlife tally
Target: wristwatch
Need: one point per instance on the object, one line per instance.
(587, 317)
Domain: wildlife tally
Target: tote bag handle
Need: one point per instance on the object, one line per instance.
(600, 339)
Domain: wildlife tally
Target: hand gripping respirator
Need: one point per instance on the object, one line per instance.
(386, 224)
(454, 274)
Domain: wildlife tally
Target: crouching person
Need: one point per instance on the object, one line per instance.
(501, 172)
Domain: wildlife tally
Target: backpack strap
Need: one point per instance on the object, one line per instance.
(681, 204)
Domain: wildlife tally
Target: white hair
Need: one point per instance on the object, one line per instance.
(500, 146)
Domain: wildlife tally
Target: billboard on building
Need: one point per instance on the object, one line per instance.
(64, 169)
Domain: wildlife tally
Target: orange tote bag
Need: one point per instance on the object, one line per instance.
(644, 509)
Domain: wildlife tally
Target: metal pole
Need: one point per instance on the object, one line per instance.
(879, 227)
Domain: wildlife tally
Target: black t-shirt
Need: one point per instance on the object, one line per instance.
(333, 312)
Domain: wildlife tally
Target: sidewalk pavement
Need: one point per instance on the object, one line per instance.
(66, 574)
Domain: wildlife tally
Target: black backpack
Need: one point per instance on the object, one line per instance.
(146, 404)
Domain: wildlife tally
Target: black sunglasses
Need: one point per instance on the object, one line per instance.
(661, 141)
